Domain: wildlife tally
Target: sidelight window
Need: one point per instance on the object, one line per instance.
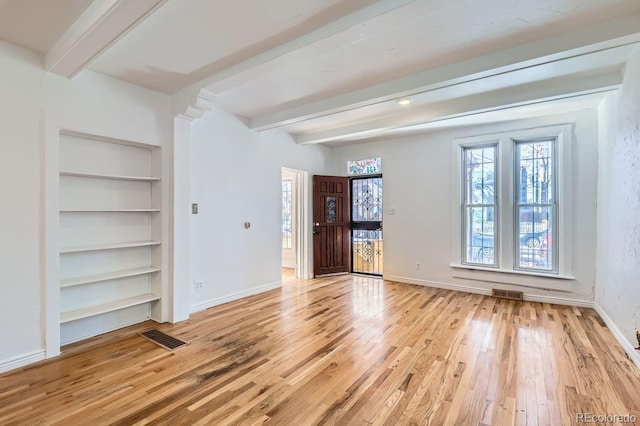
(287, 205)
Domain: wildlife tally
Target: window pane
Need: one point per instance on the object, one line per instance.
(365, 167)
(286, 214)
(535, 168)
(367, 251)
(480, 172)
(366, 200)
(536, 238)
(480, 235)
(331, 209)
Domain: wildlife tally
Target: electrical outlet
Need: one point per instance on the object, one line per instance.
(198, 285)
(417, 266)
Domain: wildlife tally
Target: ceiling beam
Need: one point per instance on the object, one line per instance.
(101, 25)
(274, 58)
(606, 35)
(526, 94)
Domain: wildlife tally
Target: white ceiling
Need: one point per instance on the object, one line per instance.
(328, 71)
(37, 24)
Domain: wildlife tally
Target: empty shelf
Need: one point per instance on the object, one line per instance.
(107, 210)
(87, 279)
(78, 249)
(112, 177)
(107, 307)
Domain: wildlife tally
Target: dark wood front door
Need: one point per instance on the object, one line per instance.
(331, 251)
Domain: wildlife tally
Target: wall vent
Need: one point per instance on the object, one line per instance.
(507, 294)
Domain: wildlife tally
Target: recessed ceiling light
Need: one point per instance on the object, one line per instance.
(404, 101)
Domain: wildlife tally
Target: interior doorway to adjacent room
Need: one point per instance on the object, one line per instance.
(294, 239)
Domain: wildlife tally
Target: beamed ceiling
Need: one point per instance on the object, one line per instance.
(330, 71)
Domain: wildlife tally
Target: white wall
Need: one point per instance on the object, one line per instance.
(618, 276)
(417, 184)
(33, 101)
(236, 178)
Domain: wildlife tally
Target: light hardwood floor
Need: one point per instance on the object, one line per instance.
(340, 350)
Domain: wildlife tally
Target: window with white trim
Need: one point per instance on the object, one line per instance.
(479, 204)
(535, 204)
(511, 208)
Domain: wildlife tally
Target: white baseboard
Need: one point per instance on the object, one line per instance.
(558, 300)
(235, 296)
(22, 360)
(487, 292)
(437, 284)
(634, 354)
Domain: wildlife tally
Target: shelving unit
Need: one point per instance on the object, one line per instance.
(110, 235)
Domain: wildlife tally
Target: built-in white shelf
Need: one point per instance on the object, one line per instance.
(108, 210)
(107, 307)
(88, 279)
(112, 177)
(109, 190)
(78, 249)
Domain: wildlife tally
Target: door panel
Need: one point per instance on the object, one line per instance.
(331, 250)
(366, 225)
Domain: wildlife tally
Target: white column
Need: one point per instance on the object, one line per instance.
(180, 220)
(187, 106)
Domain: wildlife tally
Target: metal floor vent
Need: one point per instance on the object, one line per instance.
(507, 294)
(161, 339)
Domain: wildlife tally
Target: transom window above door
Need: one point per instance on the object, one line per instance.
(368, 166)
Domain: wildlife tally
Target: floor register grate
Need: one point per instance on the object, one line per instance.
(164, 340)
(508, 294)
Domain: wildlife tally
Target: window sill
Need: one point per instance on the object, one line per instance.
(513, 277)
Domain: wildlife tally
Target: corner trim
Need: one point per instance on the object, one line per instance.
(633, 354)
(196, 106)
(234, 296)
(487, 292)
(22, 360)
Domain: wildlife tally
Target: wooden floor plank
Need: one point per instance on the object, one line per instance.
(339, 350)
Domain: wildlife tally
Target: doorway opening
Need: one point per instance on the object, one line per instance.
(367, 249)
(295, 241)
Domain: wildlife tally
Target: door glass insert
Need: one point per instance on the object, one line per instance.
(331, 209)
(366, 225)
(366, 205)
